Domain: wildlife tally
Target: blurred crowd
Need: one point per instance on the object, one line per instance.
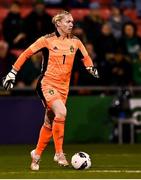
(113, 43)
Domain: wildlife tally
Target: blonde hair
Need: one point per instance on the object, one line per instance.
(59, 16)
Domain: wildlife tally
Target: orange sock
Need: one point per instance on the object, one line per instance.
(44, 138)
(58, 134)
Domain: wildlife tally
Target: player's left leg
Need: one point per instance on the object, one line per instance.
(59, 110)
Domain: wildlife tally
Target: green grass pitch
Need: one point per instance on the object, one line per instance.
(108, 161)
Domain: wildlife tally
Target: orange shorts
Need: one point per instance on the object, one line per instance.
(51, 94)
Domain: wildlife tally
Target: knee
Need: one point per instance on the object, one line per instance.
(61, 113)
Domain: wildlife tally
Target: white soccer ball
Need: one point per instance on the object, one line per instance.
(81, 160)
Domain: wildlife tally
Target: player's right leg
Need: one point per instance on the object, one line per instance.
(46, 129)
(44, 138)
(35, 161)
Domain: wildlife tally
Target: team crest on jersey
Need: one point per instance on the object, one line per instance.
(71, 49)
(51, 91)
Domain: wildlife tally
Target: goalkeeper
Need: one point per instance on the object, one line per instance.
(58, 50)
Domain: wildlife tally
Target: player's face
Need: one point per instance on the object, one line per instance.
(66, 24)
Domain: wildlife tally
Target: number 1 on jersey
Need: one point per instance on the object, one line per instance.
(64, 58)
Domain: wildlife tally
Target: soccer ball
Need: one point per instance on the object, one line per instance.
(81, 160)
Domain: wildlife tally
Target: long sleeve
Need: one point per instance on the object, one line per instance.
(86, 58)
(35, 47)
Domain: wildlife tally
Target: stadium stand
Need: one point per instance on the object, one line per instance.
(78, 13)
(132, 13)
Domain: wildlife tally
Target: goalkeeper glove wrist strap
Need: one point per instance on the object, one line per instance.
(13, 71)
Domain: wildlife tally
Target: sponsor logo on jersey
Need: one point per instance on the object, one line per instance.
(55, 48)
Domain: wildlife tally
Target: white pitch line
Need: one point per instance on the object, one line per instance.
(115, 171)
(75, 171)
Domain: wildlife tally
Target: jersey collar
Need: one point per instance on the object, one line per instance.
(58, 35)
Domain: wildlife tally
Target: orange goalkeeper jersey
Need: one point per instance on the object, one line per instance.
(58, 56)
